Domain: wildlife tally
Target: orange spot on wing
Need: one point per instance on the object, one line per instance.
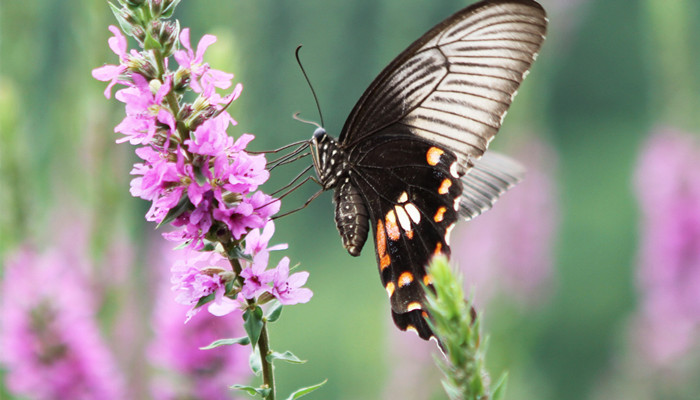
(438, 249)
(440, 214)
(445, 186)
(390, 287)
(405, 279)
(427, 280)
(381, 239)
(433, 155)
(409, 234)
(384, 261)
(392, 229)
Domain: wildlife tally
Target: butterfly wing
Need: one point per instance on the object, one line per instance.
(422, 125)
(454, 85)
(412, 197)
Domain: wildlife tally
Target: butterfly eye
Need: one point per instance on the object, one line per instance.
(319, 133)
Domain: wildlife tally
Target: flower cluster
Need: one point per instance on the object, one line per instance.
(198, 179)
(668, 191)
(181, 369)
(50, 343)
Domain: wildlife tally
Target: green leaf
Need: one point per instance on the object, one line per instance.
(255, 362)
(304, 391)
(499, 389)
(275, 312)
(182, 205)
(286, 356)
(236, 252)
(119, 15)
(264, 392)
(168, 12)
(204, 300)
(151, 43)
(253, 324)
(243, 340)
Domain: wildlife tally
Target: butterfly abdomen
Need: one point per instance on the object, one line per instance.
(351, 216)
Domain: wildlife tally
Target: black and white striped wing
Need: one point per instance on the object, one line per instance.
(454, 85)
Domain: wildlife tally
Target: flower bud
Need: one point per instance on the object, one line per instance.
(232, 199)
(133, 3)
(181, 80)
(156, 7)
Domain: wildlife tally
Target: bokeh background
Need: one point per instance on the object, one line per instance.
(587, 274)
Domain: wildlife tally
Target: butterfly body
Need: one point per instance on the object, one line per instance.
(411, 159)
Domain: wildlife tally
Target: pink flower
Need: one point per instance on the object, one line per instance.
(257, 279)
(144, 110)
(182, 369)
(211, 139)
(112, 73)
(194, 277)
(668, 190)
(524, 221)
(200, 71)
(253, 212)
(256, 244)
(287, 289)
(50, 343)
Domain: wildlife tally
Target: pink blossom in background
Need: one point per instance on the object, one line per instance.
(667, 184)
(50, 343)
(509, 249)
(181, 369)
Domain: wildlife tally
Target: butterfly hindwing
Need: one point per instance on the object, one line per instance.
(411, 188)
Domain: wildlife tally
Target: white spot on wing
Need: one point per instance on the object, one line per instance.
(413, 212)
(448, 232)
(453, 170)
(404, 221)
(403, 198)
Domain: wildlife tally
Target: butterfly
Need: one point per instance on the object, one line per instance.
(410, 159)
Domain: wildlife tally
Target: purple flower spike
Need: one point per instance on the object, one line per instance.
(50, 344)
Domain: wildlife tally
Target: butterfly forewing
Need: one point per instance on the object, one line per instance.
(454, 85)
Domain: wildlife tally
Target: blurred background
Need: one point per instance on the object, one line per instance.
(587, 274)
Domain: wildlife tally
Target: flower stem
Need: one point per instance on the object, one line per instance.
(268, 374)
(263, 342)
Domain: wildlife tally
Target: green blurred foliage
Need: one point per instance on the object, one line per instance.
(601, 83)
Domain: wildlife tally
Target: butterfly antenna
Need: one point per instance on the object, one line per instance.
(318, 106)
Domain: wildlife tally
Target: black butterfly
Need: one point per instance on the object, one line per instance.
(410, 158)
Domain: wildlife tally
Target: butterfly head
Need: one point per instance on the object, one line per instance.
(329, 160)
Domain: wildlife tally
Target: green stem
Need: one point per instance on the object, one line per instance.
(268, 373)
(263, 342)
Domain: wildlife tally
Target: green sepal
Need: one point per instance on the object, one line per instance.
(304, 391)
(204, 300)
(253, 324)
(236, 252)
(264, 392)
(123, 23)
(254, 361)
(199, 176)
(182, 205)
(168, 12)
(287, 356)
(243, 341)
(150, 43)
(499, 389)
(275, 312)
